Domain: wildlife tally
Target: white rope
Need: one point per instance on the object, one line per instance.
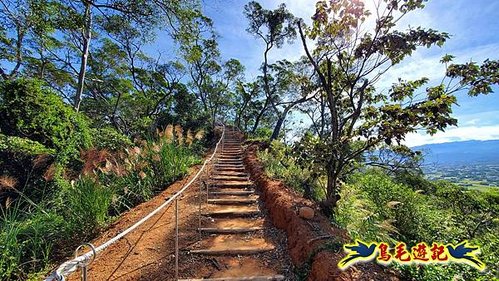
(71, 265)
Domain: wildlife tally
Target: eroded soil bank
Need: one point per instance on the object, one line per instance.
(313, 244)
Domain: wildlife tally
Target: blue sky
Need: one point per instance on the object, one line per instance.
(473, 26)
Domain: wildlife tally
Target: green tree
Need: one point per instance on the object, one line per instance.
(29, 109)
(349, 59)
(273, 28)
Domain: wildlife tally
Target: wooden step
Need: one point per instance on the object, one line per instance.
(229, 165)
(230, 169)
(222, 201)
(231, 155)
(247, 278)
(230, 230)
(231, 161)
(236, 193)
(232, 183)
(233, 251)
(236, 211)
(230, 178)
(230, 173)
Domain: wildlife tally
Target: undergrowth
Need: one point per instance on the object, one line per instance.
(405, 207)
(37, 230)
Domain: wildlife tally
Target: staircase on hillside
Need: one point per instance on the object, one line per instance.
(234, 228)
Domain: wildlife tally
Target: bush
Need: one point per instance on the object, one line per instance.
(24, 146)
(109, 138)
(111, 182)
(279, 164)
(374, 207)
(30, 110)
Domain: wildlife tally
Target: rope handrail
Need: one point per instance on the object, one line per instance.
(71, 265)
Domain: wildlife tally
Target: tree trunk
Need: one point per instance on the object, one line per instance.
(278, 126)
(87, 35)
(259, 116)
(332, 195)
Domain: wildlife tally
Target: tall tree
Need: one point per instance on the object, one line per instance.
(350, 57)
(273, 28)
(292, 85)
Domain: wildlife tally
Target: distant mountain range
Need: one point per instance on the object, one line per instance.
(461, 153)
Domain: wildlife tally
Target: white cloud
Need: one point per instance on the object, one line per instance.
(422, 65)
(454, 134)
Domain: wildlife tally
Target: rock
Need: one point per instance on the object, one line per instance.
(306, 213)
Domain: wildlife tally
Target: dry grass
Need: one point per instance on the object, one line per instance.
(189, 138)
(49, 173)
(93, 158)
(7, 182)
(199, 135)
(41, 161)
(168, 134)
(179, 134)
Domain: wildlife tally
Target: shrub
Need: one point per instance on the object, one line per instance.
(279, 164)
(109, 138)
(30, 110)
(24, 146)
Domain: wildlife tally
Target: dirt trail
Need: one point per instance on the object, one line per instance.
(231, 240)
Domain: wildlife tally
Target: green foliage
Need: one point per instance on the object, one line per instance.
(157, 164)
(275, 27)
(78, 209)
(278, 164)
(109, 138)
(479, 78)
(18, 145)
(375, 207)
(29, 109)
(361, 117)
(27, 241)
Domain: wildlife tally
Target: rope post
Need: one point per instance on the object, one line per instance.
(176, 238)
(84, 273)
(207, 193)
(84, 265)
(199, 210)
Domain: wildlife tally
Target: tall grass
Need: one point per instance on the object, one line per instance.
(26, 241)
(89, 203)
